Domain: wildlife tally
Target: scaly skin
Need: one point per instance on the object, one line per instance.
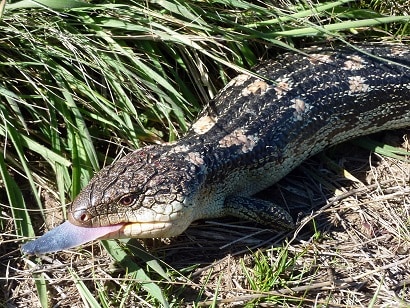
(252, 134)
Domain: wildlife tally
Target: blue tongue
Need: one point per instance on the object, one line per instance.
(67, 236)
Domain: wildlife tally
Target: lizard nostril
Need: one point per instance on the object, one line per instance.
(84, 217)
(80, 217)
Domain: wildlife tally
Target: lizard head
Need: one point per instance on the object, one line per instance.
(146, 194)
(146, 191)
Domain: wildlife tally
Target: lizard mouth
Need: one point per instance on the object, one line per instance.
(68, 235)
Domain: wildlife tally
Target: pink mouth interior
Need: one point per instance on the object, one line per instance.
(67, 236)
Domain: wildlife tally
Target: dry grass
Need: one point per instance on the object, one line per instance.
(356, 253)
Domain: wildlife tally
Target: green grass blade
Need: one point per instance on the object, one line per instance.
(85, 293)
(18, 145)
(347, 25)
(299, 15)
(80, 128)
(41, 288)
(51, 4)
(139, 251)
(18, 207)
(136, 272)
(381, 148)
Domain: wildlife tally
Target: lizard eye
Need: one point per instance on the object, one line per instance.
(127, 200)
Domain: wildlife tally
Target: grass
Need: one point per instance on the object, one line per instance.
(83, 83)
